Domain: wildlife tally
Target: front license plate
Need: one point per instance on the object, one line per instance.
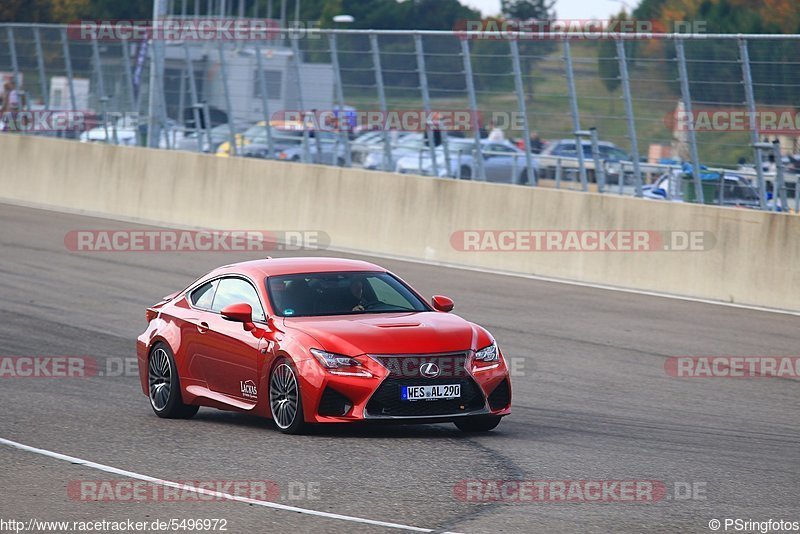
(442, 391)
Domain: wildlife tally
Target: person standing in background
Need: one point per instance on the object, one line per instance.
(10, 97)
(536, 143)
(496, 135)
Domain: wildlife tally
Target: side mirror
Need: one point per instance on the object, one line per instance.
(241, 313)
(442, 303)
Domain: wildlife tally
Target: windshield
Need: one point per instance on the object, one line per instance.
(344, 293)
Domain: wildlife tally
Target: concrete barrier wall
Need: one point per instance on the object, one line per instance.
(755, 259)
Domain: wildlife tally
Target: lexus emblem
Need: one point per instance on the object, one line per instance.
(429, 370)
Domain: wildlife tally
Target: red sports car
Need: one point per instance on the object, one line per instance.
(319, 340)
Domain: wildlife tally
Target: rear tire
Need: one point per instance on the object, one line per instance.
(466, 173)
(164, 385)
(478, 423)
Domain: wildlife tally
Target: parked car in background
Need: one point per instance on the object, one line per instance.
(120, 132)
(325, 148)
(282, 131)
(502, 162)
(219, 134)
(611, 157)
(408, 143)
(725, 189)
(362, 145)
(282, 140)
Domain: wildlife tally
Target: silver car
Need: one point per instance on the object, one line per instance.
(502, 161)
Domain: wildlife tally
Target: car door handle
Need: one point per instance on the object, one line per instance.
(202, 327)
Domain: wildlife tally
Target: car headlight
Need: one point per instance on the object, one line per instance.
(488, 354)
(340, 365)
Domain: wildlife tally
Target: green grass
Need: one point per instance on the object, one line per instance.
(549, 108)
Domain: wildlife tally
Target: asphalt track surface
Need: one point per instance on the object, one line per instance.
(591, 402)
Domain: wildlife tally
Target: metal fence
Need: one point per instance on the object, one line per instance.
(622, 115)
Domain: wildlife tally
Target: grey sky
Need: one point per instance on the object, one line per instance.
(565, 9)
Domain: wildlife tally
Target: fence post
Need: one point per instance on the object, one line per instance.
(687, 104)
(98, 69)
(262, 80)
(101, 87)
(40, 66)
(523, 111)
(162, 104)
(156, 77)
(224, 74)
(296, 63)
(747, 79)
(599, 171)
(473, 104)
(376, 62)
(780, 182)
(126, 63)
(12, 48)
(68, 67)
(626, 95)
(337, 78)
(195, 103)
(576, 120)
(558, 173)
(426, 101)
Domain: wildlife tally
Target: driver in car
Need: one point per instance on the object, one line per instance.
(357, 293)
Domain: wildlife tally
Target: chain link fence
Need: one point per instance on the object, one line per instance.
(678, 117)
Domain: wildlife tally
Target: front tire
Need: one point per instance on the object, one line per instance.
(164, 386)
(285, 401)
(478, 423)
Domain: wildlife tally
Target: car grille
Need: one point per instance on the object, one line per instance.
(451, 365)
(404, 371)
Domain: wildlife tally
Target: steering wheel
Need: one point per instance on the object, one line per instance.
(366, 305)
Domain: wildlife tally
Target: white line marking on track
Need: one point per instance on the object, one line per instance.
(218, 494)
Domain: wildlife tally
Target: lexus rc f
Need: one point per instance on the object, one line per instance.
(319, 340)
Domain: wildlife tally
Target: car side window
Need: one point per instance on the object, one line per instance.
(234, 291)
(503, 148)
(203, 296)
(566, 149)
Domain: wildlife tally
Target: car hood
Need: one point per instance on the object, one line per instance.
(395, 333)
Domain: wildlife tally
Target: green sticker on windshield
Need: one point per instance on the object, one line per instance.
(288, 311)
